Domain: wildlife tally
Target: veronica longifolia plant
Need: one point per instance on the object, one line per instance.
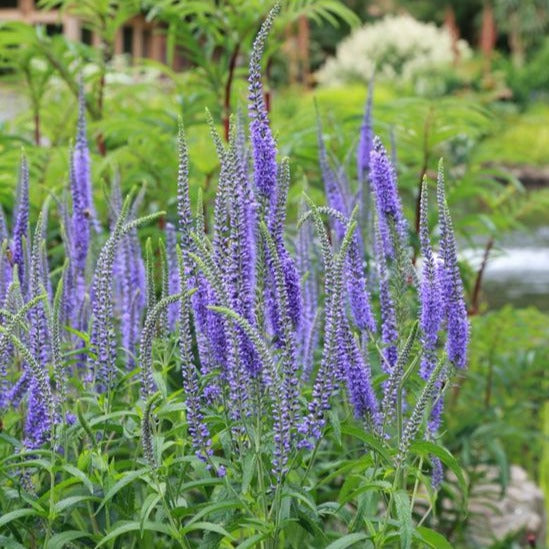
(298, 366)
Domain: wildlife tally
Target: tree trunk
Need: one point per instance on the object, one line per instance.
(488, 35)
(451, 25)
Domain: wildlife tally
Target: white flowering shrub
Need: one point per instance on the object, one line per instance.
(396, 46)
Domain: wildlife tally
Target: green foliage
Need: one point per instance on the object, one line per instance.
(99, 491)
(496, 412)
(523, 139)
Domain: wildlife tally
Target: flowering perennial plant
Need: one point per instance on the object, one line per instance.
(279, 349)
(397, 47)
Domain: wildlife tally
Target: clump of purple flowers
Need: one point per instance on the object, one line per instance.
(259, 325)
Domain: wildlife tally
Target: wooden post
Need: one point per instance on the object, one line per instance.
(71, 28)
(156, 51)
(137, 38)
(303, 39)
(26, 6)
(118, 42)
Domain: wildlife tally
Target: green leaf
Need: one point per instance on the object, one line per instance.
(333, 418)
(248, 472)
(303, 497)
(147, 507)
(404, 514)
(434, 539)
(220, 506)
(70, 501)
(251, 542)
(134, 526)
(347, 541)
(17, 514)
(369, 439)
(381, 485)
(58, 541)
(425, 448)
(208, 526)
(124, 481)
(9, 543)
(199, 483)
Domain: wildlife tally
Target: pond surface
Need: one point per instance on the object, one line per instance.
(518, 271)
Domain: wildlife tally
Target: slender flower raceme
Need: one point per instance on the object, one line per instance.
(38, 422)
(198, 429)
(5, 267)
(430, 298)
(357, 289)
(39, 330)
(326, 377)
(334, 194)
(309, 325)
(81, 163)
(455, 311)
(240, 265)
(358, 294)
(246, 195)
(129, 277)
(102, 338)
(5, 271)
(80, 232)
(366, 140)
(185, 220)
(270, 185)
(291, 275)
(390, 218)
(20, 236)
(263, 143)
(14, 303)
(389, 330)
(173, 279)
(357, 375)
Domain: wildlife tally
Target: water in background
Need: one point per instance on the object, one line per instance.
(518, 271)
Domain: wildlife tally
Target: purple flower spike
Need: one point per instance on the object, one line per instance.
(173, 278)
(389, 208)
(437, 474)
(457, 324)
(335, 196)
(357, 289)
(80, 232)
(389, 332)
(366, 140)
(37, 423)
(263, 143)
(5, 266)
(430, 299)
(357, 375)
(81, 162)
(185, 221)
(21, 225)
(198, 429)
(129, 275)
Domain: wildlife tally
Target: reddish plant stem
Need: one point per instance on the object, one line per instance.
(228, 90)
(475, 299)
(37, 128)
